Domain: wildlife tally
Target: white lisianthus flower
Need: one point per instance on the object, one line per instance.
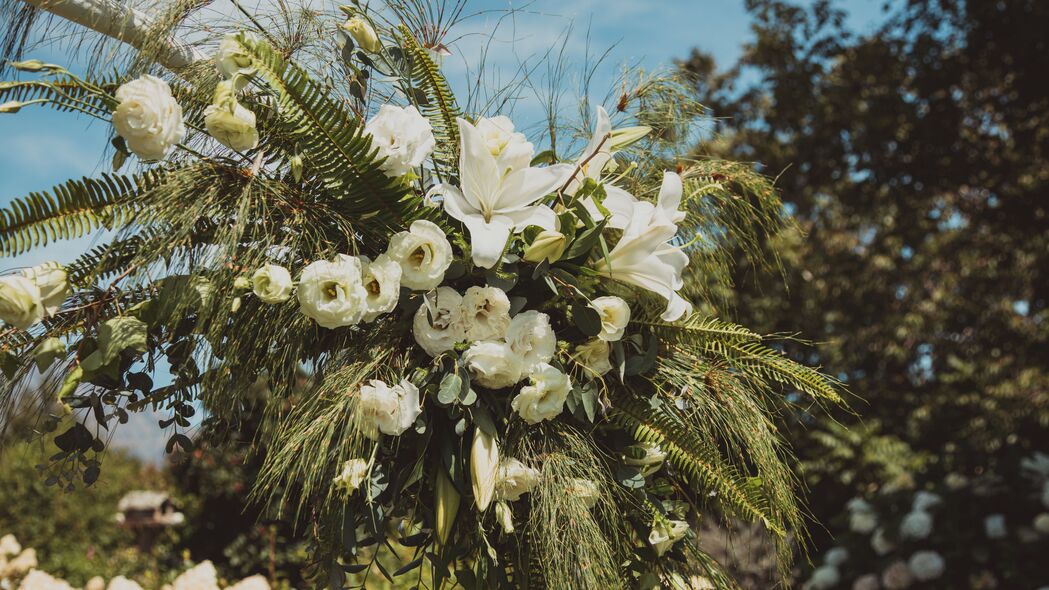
(916, 525)
(593, 356)
(880, 542)
(665, 533)
(332, 292)
(388, 409)
(403, 136)
(994, 526)
(352, 476)
(423, 253)
(493, 203)
(925, 500)
(271, 283)
(822, 578)
(585, 490)
(229, 122)
(531, 337)
(382, 282)
(199, 577)
(231, 58)
(511, 149)
(926, 565)
(148, 117)
(439, 324)
(122, 583)
(53, 282)
(1041, 523)
(515, 480)
(897, 576)
(486, 311)
(643, 257)
(866, 582)
(21, 305)
(615, 315)
(493, 364)
(836, 556)
(544, 396)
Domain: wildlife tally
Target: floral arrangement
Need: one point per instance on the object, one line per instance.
(466, 345)
(963, 534)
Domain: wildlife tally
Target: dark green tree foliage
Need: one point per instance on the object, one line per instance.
(916, 158)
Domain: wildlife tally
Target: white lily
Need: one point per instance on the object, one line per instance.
(492, 202)
(644, 257)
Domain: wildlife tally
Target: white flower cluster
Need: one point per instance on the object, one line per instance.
(28, 297)
(347, 290)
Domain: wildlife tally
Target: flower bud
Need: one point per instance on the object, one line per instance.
(11, 106)
(622, 138)
(548, 245)
(505, 517)
(296, 167)
(484, 468)
(35, 65)
(447, 506)
(242, 283)
(363, 34)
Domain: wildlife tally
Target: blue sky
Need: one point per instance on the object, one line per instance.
(42, 148)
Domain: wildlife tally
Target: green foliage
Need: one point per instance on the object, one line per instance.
(439, 105)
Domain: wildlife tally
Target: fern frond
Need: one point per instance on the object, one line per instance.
(65, 93)
(441, 108)
(698, 326)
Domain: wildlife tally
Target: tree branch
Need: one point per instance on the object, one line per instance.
(121, 22)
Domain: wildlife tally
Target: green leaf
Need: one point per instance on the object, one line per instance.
(586, 318)
(448, 392)
(47, 352)
(586, 241)
(115, 336)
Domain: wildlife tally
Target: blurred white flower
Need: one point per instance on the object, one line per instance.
(1041, 523)
(332, 292)
(352, 475)
(256, 582)
(200, 577)
(994, 526)
(122, 583)
(20, 303)
(53, 282)
(925, 500)
(544, 396)
(531, 338)
(493, 364)
(515, 479)
(148, 117)
(956, 481)
(401, 135)
(389, 409)
(866, 582)
(615, 315)
(584, 489)
(423, 253)
(665, 533)
(836, 556)
(40, 580)
(880, 542)
(897, 576)
(9, 545)
(272, 283)
(926, 565)
(823, 578)
(438, 323)
(382, 283)
(862, 521)
(916, 525)
(486, 312)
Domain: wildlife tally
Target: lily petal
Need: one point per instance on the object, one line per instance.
(480, 175)
(540, 215)
(487, 238)
(524, 187)
(670, 197)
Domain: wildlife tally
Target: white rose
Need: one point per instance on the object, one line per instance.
(493, 364)
(1041, 523)
(544, 397)
(584, 489)
(439, 326)
(926, 565)
(994, 526)
(229, 122)
(403, 136)
(389, 410)
(925, 500)
(515, 479)
(53, 283)
(897, 576)
(665, 533)
(593, 356)
(512, 150)
(200, 577)
(230, 58)
(423, 253)
(331, 292)
(836, 556)
(880, 542)
(382, 281)
(823, 578)
(352, 475)
(615, 315)
(21, 304)
(916, 525)
(532, 338)
(862, 522)
(866, 582)
(122, 583)
(148, 117)
(271, 283)
(486, 311)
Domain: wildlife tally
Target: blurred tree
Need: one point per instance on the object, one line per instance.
(916, 158)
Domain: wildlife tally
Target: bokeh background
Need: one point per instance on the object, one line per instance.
(908, 138)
